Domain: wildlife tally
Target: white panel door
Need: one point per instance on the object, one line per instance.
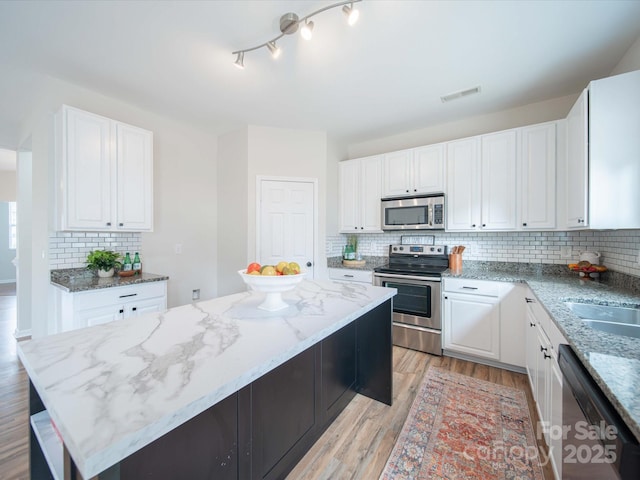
(428, 169)
(463, 185)
(286, 223)
(398, 174)
(538, 192)
(499, 181)
(88, 170)
(578, 163)
(135, 178)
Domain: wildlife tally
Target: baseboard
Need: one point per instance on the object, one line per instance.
(484, 361)
(22, 334)
(8, 281)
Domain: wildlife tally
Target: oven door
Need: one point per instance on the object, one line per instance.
(417, 302)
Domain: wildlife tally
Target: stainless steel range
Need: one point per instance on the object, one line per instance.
(416, 272)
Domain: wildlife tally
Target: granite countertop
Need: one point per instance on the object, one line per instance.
(371, 262)
(612, 360)
(81, 280)
(113, 388)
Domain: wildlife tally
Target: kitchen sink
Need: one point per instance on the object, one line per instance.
(616, 320)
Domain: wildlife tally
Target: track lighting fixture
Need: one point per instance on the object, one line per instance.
(289, 23)
(306, 30)
(275, 51)
(240, 60)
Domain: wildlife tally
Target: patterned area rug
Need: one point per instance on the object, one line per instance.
(463, 428)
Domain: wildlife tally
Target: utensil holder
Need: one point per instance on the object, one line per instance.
(455, 262)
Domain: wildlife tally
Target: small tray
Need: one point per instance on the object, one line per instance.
(128, 273)
(354, 263)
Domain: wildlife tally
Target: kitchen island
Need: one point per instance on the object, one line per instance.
(217, 389)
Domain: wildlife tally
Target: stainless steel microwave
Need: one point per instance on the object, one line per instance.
(425, 212)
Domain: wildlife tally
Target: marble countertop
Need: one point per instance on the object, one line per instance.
(81, 280)
(612, 360)
(113, 388)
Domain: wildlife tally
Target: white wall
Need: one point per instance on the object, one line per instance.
(8, 186)
(288, 153)
(184, 196)
(630, 61)
(7, 269)
(242, 157)
(233, 185)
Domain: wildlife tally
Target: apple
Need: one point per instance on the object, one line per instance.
(294, 267)
(253, 267)
(281, 266)
(269, 270)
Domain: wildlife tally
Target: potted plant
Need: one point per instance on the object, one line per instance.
(104, 261)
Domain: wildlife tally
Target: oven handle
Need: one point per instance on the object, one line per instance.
(406, 277)
(415, 327)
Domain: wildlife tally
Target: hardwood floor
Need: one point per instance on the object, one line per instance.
(14, 432)
(355, 446)
(358, 443)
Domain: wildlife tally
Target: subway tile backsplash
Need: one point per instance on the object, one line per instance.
(619, 248)
(70, 249)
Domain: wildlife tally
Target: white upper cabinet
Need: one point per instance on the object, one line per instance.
(614, 152)
(104, 173)
(538, 186)
(499, 181)
(577, 177)
(360, 183)
(463, 184)
(481, 182)
(414, 172)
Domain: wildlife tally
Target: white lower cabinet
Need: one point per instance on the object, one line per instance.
(351, 275)
(93, 307)
(542, 340)
(482, 320)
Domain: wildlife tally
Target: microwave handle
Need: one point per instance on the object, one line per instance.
(430, 213)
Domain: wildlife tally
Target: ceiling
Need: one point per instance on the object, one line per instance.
(383, 76)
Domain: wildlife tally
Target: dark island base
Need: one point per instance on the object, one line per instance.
(263, 430)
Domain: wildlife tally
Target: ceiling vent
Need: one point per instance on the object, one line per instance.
(460, 94)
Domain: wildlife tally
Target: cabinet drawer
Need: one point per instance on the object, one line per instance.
(472, 287)
(350, 275)
(116, 295)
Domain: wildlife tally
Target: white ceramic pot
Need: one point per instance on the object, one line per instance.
(105, 273)
(592, 257)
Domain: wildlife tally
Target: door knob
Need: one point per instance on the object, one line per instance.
(309, 264)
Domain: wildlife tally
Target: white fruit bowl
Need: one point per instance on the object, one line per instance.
(273, 286)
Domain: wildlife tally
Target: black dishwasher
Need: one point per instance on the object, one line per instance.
(596, 442)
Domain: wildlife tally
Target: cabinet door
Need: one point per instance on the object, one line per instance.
(86, 171)
(135, 178)
(542, 372)
(428, 169)
(463, 185)
(370, 209)
(398, 175)
(349, 184)
(532, 351)
(538, 188)
(95, 316)
(499, 159)
(555, 415)
(472, 325)
(338, 365)
(578, 163)
(135, 309)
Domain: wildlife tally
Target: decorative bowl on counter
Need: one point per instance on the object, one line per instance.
(273, 286)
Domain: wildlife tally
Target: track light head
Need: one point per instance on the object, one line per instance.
(275, 50)
(240, 61)
(352, 13)
(307, 30)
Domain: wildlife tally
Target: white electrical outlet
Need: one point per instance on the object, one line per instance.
(195, 295)
(638, 259)
(565, 252)
(178, 249)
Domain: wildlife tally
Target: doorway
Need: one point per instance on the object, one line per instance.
(286, 223)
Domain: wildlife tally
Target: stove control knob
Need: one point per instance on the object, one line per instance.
(395, 248)
(439, 249)
(432, 249)
(401, 248)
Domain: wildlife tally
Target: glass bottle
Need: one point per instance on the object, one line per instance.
(137, 265)
(127, 265)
